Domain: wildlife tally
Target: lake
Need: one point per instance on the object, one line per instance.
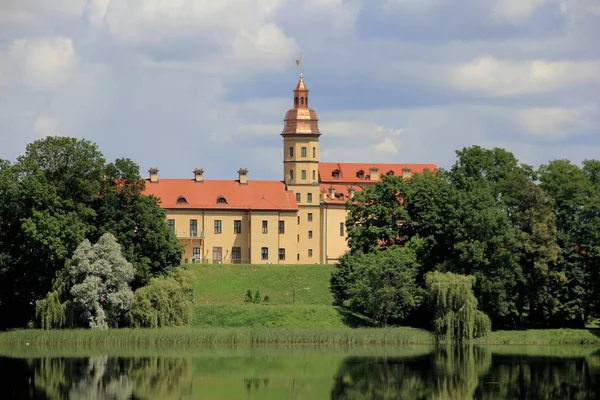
(301, 372)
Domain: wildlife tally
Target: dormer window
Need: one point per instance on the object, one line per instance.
(181, 200)
(339, 196)
(360, 174)
(390, 173)
(336, 173)
(221, 200)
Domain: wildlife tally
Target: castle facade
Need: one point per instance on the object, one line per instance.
(300, 220)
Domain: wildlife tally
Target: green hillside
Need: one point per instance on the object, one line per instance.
(227, 284)
(299, 297)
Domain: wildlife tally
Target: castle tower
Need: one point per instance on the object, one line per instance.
(301, 172)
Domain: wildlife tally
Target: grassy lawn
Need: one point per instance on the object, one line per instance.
(227, 284)
(272, 316)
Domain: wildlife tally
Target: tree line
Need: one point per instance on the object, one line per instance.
(528, 239)
(60, 194)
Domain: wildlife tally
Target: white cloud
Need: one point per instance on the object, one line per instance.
(95, 11)
(19, 13)
(555, 122)
(356, 128)
(46, 62)
(517, 10)
(46, 126)
(495, 77)
(386, 146)
(209, 35)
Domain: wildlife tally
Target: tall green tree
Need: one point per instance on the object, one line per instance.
(381, 285)
(376, 215)
(575, 195)
(51, 190)
(60, 192)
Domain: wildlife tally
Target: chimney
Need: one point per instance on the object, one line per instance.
(351, 192)
(406, 173)
(332, 192)
(153, 175)
(198, 175)
(243, 176)
(374, 173)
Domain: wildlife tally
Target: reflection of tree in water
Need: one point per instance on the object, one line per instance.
(465, 373)
(531, 378)
(448, 373)
(255, 383)
(113, 378)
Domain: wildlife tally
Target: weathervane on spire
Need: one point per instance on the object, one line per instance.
(298, 62)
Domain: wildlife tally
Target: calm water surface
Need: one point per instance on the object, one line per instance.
(301, 372)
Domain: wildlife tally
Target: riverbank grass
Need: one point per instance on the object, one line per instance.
(542, 337)
(285, 336)
(186, 336)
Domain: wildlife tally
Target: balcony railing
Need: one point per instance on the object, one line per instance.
(225, 260)
(190, 235)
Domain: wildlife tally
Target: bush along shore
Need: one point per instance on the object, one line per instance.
(359, 336)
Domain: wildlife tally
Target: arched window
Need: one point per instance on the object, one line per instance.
(360, 174)
(221, 200)
(302, 100)
(336, 173)
(390, 172)
(181, 200)
(295, 100)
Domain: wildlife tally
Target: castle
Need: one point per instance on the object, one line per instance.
(300, 220)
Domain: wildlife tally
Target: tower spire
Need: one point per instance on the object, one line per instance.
(301, 94)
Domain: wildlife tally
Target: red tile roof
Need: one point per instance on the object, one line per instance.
(342, 192)
(255, 195)
(349, 171)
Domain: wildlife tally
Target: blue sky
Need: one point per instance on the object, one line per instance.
(184, 84)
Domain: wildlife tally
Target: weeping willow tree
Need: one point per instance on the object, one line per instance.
(456, 316)
(56, 310)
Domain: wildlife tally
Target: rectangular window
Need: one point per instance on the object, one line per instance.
(309, 197)
(298, 257)
(303, 174)
(281, 227)
(281, 254)
(196, 253)
(314, 152)
(236, 255)
(237, 226)
(310, 252)
(217, 226)
(314, 175)
(310, 234)
(217, 255)
(298, 238)
(341, 229)
(303, 151)
(265, 227)
(309, 217)
(291, 152)
(297, 197)
(298, 220)
(291, 174)
(193, 228)
(264, 253)
(171, 224)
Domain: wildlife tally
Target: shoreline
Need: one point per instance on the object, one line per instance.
(283, 336)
